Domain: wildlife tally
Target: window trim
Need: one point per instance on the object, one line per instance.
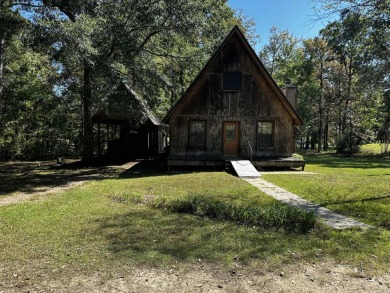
(258, 146)
(199, 146)
(239, 73)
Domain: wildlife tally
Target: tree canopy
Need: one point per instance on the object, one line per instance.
(342, 74)
(155, 46)
(61, 60)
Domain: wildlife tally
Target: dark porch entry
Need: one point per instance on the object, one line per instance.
(127, 128)
(119, 139)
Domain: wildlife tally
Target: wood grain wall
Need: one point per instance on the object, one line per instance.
(256, 101)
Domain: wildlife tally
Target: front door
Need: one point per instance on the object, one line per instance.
(231, 138)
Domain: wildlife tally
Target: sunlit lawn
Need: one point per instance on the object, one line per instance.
(356, 186)
(94, 227)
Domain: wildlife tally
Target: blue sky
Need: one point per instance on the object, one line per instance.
(297, 16)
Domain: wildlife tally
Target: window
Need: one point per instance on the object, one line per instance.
(230, 132)
(232, 81)
(265, 134)
(197, 134)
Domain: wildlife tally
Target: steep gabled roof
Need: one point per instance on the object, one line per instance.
(255, 59)
(132, 111)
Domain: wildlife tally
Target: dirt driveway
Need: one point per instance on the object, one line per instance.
(324, 276)
(22, 181)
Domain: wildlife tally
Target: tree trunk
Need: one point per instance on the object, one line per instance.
(319, 146)
(326, 133)
(2, 43)
(312, 142)
(307, 143)
(87, 117)
(320, 110)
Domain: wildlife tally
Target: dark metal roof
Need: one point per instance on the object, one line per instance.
(135, 113)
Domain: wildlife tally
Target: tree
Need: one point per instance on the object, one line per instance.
(346, 39)
(94, 44)
(280, 54)
(31, 129)
(10, 24)
(384, 129)
(367, 23)
(318, 53)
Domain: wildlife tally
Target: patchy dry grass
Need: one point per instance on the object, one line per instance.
(29, 177)
(95, 226)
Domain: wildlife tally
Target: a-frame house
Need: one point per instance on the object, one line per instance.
(234, 109)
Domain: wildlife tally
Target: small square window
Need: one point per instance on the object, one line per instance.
(230, 132)
(232, 81)
(265, 134)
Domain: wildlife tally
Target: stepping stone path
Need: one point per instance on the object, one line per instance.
(330, 218)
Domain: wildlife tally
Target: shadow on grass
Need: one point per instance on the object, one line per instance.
(151, 236)
(356, 200)
(29, 177)
(144, 168)
(339, 161)
(148, 236)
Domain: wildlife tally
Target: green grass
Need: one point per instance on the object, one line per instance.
(354, 186)
(372, 149)
(109, 224)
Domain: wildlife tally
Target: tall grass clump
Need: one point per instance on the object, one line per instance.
(276, 217)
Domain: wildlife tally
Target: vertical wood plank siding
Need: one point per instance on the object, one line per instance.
(255, 101)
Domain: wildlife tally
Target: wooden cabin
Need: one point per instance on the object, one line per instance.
(234, 109)
(127, 129)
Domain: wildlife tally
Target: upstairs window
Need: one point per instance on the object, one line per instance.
(197, 134)
(232, 81)
(265, 134)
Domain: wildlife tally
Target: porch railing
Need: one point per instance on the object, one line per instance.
(250, 150)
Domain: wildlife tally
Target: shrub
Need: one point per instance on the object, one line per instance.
(276, 217)
(348, 143)
(297, 156)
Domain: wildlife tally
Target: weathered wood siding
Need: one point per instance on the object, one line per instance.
(256, 101)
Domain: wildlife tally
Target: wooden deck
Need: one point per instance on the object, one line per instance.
(215, 161)
(289, 162)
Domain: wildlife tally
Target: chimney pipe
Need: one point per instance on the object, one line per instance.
(291, 93)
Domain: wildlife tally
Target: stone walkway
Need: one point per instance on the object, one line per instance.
(330, 218)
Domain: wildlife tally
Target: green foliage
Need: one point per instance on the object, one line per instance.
(298, 156)
(349, 143)
(340, 74)
(78, 52)
(34, 121)
(276, 217)
(157, 47)
(281, 56)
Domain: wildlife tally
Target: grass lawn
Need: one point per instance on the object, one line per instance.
(357, 186)
(108, 223)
